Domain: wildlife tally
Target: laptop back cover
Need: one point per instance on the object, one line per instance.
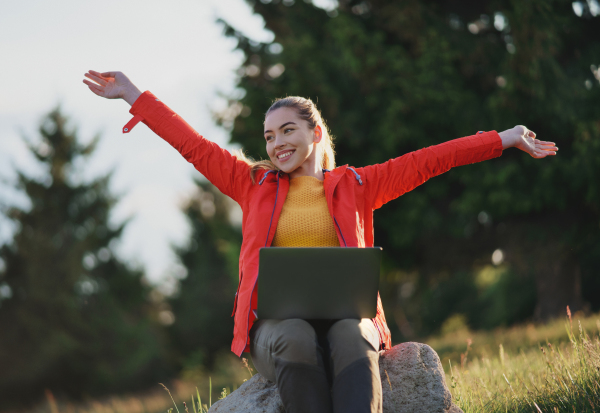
(318, 283)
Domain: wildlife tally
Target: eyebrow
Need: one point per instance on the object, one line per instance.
(285, 124)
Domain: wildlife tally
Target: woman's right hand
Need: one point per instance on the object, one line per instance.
(112, 85)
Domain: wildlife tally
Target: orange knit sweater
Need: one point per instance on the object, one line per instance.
(305, 220)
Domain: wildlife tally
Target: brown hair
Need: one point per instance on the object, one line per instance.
(306, 110)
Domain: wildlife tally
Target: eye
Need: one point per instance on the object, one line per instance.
(268, 137)
(287, 129)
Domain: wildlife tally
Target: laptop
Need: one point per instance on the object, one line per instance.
(318, 283)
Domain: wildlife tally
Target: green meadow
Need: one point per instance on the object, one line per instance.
(553, 367)
(546, 368)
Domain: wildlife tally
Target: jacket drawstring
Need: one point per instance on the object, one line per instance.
(265, 175)
(357, 176)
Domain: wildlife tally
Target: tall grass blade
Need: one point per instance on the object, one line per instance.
(165, 387)
(199, 401)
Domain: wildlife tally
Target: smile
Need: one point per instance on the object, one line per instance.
(285, 155)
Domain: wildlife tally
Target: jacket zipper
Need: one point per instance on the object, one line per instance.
(273, 213)
(339, 229)
(266, 242)
(335, 220)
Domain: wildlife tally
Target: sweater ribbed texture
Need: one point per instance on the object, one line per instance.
(305, 220)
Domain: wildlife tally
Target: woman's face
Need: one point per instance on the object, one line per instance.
(291, 144)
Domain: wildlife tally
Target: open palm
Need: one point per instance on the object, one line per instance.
(526, 141)
(109, 85)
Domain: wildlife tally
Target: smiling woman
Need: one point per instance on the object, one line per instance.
(302, 199)
(294, 124)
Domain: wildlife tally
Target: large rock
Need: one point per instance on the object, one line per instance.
(416, 385)
(417, 381)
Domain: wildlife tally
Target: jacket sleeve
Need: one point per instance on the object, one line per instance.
(397, 176)
(229, 174)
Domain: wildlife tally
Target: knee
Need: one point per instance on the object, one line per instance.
(351, 340)
(352, 336)
(295, 340)
(348, 331)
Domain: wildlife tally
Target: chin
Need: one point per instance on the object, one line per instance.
(287, 169)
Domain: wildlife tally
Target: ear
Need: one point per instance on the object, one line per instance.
(318, 134)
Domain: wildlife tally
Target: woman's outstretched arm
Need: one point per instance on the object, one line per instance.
(397, 176)
(221, 168)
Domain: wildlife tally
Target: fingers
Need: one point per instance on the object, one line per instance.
(542, 154)
(545, 146)
(542, 148)
(96, 78)
(92, 85)
(543, 151)
(104, 74)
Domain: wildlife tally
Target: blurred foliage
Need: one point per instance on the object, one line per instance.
(392, 77)
(202, 306)
(74, 320)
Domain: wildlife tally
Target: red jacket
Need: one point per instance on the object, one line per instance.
(352, 195)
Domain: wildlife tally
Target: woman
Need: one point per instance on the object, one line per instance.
(299, 198)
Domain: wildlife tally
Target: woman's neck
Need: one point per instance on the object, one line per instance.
(315, 172)
(310, 167)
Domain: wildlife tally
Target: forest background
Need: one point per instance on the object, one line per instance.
(492, 244)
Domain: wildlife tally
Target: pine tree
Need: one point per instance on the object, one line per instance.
(76, 320)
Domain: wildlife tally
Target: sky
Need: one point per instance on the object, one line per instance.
(174, 49)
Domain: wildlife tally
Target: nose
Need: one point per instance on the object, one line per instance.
(279, 141)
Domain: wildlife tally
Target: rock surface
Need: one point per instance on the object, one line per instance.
(416, 385)
(257, 395)
(417, 382)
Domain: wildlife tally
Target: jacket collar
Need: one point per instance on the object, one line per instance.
(332, 178)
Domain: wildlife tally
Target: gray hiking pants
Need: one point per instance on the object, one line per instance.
(320, 366)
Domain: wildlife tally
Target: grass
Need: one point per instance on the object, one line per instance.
(513, 339)
(531, 368)
(559, 377)
(199, 407)
(194, 392)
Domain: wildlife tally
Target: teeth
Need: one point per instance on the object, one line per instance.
(284, 155)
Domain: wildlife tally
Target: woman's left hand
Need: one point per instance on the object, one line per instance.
(522, 138)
